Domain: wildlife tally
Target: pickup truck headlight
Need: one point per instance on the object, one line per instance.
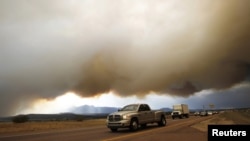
(125, 116)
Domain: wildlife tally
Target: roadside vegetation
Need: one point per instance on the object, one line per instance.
(227, 117)
(238, 117)
(41, 126)
(20, 119)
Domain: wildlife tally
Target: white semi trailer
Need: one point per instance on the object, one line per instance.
(180, 111)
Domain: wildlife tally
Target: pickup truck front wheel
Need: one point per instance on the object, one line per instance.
(134, 125)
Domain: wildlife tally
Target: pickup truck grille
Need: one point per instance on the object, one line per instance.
(114, 118)
(175, 113)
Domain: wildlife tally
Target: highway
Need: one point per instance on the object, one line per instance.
(178, 129)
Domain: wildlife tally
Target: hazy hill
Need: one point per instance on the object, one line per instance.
(87, 109)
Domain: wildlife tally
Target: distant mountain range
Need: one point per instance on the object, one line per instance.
(87, 109)
(84, 111)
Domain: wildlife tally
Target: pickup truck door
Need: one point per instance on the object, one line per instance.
(150, 114)
(142, 115)
(145, 114)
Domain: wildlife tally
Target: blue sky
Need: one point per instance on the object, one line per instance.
(159, 52)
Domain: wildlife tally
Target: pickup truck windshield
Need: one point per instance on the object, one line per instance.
(130, 108)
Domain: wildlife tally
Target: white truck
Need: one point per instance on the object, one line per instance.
(134, 116)
(180, 111)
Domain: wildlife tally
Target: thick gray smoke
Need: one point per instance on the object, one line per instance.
(130, 47)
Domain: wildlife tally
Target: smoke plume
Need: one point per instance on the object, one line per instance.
(129, 47)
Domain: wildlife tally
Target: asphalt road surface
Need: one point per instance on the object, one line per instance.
(176, 130)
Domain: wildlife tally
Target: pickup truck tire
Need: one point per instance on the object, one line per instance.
(134, 124)
(144, 125)
(163, 121)
(113, 129)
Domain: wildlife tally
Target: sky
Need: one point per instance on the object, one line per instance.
(55, 54)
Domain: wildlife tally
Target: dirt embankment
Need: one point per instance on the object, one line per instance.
(227, 117)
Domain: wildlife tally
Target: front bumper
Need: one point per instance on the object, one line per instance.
(118, 124)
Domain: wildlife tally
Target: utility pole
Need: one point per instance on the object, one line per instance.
(211, 106)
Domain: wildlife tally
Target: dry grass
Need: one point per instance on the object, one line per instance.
(9, 127)
(229, 117)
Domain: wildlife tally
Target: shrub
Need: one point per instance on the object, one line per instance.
(79, 118)
(20, 119)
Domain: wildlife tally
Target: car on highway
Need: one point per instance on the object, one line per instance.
(209, 113)
(203, 113)
(197, 113)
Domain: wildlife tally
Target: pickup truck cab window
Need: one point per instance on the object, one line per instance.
(147, 108)
(130, 108)
(144, 107)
